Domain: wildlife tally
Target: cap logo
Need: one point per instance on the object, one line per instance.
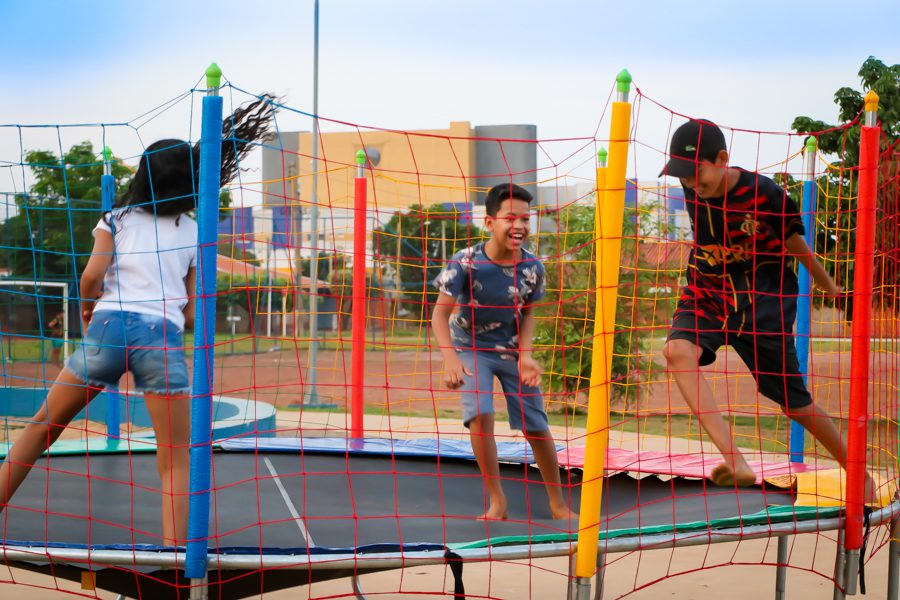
(690, 148)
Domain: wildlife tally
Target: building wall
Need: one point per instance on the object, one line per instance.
(427, 167)
(280, 169)
(417, 167)
(503, 159)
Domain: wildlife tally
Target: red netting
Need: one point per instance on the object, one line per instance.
(297, 499)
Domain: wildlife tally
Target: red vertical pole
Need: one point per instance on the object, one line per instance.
(359, 308)
(864, 266)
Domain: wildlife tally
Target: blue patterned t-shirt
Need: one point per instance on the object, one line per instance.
(490, 298)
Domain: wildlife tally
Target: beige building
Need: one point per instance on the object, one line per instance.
(420, 167)
(455, 165)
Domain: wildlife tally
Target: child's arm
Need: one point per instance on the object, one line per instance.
(454, 370)
(190, 284)
(94, 272)
(529, 370)
(796, 246)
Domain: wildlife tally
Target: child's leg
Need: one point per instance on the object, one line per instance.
(172, 423)
(545, 456)
(819, 424)
(682, 357)
(66, 398)
(481, 434)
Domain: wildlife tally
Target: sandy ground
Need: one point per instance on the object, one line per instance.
(707, 573)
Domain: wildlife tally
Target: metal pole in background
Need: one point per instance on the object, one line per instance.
(312, 394)
(107, 192)
(269, 288)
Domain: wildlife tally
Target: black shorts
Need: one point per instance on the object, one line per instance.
(758, 327)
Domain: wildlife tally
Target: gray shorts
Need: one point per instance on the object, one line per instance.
(524, 403)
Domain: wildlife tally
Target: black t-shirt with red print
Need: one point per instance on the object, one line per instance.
(739, 253)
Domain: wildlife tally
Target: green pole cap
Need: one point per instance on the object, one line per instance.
(360, 157)
(602, 155)
(107, 153)
(213, 76)
(811, 145)
(623, 81)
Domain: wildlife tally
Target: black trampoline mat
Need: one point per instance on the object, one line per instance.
(341, 502)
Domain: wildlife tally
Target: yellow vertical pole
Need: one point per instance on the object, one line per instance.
(608, 231)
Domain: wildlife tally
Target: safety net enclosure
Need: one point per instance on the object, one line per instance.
(324, 444)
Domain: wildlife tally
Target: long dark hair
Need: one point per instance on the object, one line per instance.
(166, 180)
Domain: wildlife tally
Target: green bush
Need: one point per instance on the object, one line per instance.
(565, 319)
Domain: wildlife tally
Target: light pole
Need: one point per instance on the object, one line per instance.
(312, 395)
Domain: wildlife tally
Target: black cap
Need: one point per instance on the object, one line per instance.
(694, 141)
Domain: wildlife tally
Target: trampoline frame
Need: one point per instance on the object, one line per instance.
(844, 577)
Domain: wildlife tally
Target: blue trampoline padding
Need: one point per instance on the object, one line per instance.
(92, 445)
(515, 452)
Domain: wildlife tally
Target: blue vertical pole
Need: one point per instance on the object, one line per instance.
(807, 210)
(107, 192)
(204, 330)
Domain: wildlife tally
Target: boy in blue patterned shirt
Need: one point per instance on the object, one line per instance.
(483, 323)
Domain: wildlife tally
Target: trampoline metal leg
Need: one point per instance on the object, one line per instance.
(781, 568)
(599, 578)
(582, 588)
(851, 572)
(199, 589)
(893, 583)
(570, 589)
(357, 589)
(839, 572)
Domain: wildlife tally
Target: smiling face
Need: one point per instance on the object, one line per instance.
(510, 226)
(710, 178)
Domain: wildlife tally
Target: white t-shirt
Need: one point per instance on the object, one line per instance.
(151, 259)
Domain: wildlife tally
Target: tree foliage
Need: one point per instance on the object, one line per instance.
(565, 320)
(836, 210)
(50, 236)
(412, 248)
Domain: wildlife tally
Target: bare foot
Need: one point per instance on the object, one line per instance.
(871, 490)
(494, 513)
(563, 512)
(723, 475)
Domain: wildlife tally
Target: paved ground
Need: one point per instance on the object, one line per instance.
(409, 381)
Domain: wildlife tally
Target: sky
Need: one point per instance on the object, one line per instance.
(408, 64)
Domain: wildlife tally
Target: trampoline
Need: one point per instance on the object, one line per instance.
(296, 512)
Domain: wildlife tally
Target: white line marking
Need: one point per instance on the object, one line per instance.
(287, 500)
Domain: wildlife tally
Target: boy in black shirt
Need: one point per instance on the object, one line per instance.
(741, 290)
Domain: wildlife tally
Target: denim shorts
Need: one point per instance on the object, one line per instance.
(151, 347)
(524, 403)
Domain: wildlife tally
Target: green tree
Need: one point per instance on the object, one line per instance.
(413, 247)
(565, 320)
(836, 211)
(50, 236)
